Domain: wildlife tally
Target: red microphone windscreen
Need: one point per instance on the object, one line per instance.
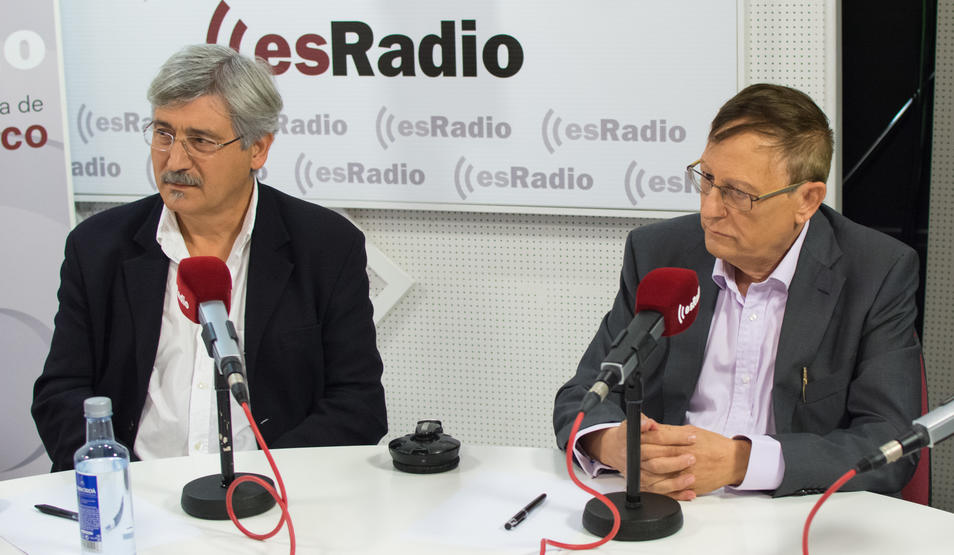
(674, 293)
(201, 279)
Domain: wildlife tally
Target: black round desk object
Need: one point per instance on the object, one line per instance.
(205, 497)
(427, 451)
(657, 517)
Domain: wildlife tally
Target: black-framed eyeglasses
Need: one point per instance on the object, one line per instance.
(740, 200)
(162, 140)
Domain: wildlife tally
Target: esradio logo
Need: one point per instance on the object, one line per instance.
(516, 177)
(684, 310)
(638, 182)
(390, 128)
(555, 131)
(354, 45)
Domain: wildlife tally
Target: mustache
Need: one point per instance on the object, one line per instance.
(180, 178)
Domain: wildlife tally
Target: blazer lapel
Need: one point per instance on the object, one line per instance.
(686, 350)
(812, 297)
(269, 269)
(145, 277)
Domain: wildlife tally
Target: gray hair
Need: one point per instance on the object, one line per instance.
(245, 85)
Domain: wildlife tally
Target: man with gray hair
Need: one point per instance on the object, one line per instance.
(299, 302)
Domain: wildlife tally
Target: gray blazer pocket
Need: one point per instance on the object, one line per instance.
(823, 407)
(818, 390)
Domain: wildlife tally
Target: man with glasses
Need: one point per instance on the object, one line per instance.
(299, 303)
(803, 358)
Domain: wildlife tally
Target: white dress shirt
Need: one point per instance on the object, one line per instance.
(180, 415)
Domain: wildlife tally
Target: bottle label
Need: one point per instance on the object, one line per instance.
(87, 497)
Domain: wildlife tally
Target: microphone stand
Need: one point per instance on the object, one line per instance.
(643, 515)
(205, 497)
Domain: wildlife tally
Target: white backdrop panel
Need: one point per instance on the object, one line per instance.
(533, 105)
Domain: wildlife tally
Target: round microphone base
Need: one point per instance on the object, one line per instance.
(657, 516)
(205, 497)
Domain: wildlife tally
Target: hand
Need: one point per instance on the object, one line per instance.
(717, 461)
(666, 462)
(609, 444)
(609, 447)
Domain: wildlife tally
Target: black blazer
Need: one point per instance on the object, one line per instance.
(314, 371)
(849, 320)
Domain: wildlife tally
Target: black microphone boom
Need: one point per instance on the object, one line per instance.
(629, 350)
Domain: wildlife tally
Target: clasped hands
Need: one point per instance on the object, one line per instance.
(678, 461)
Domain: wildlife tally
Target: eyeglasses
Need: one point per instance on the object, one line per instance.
(163, 139)
(740, 200)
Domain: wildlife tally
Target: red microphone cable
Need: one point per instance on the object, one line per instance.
(569, 468)
(832, 489)
(282, 500)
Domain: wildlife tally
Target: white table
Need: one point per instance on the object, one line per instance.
(351, 500)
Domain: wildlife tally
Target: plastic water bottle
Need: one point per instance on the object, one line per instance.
(102, 485)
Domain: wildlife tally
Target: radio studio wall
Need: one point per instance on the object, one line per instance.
(511, 227)
(540, 146)
(508, 280)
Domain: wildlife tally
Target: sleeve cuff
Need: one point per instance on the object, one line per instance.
(766, 465)
(590, 465)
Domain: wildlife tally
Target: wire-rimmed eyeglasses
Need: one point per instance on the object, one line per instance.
(740, 200)
(162, 139)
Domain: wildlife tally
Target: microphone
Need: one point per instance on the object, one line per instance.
(927, 430)
(667, 302)
(204, 292)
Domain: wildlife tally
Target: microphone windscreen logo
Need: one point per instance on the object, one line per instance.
(689, 310)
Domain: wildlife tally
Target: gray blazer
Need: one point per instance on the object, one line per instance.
(849, 320)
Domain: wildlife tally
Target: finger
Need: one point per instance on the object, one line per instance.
(666, 485)
(669, 435)
(646, 423)
(652, 451)
(667, 465)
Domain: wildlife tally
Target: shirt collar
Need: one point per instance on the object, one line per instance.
(169, 236)
(723, 273)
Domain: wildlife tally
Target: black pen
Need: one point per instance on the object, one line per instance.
(56, 511)
(520, 516)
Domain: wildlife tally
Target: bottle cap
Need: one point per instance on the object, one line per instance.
(98, 407)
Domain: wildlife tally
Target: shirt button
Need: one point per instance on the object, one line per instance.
(745, 379)
(201, 385)
(198, 446)
(753, 317)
